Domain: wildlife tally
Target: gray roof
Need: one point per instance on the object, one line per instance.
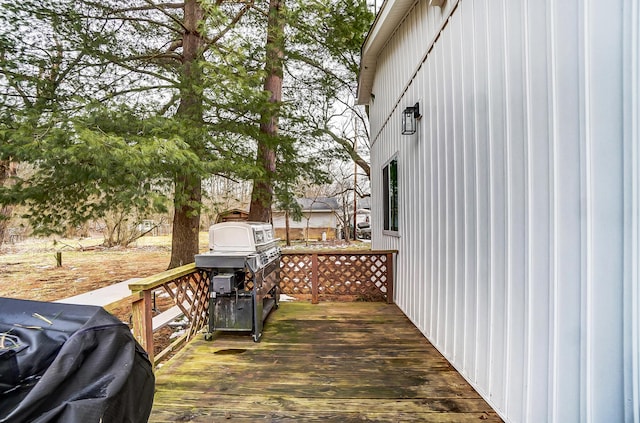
(319, 204)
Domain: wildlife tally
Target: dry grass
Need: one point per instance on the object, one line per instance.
(28, 269)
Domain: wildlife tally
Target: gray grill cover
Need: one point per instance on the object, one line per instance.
(83, 367)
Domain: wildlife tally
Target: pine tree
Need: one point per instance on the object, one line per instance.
(126, 105)
(262, 195)
(108, 101)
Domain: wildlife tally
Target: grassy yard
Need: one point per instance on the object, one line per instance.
(28, 268)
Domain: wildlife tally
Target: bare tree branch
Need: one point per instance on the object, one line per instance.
(348, 147)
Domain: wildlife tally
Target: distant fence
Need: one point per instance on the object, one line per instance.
(14, 235)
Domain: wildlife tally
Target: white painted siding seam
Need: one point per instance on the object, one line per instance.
(633, 11)
(586, 220)
(477, 188)
(509, 218)
(553, 370)
(529, 407)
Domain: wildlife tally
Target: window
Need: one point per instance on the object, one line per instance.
(390, 194)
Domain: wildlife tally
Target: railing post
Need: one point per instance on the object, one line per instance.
(314, 278)
(143, 322)
(390, 278)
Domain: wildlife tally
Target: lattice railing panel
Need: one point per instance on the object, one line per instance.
(191, 294)
(363, 275)
(295, 276)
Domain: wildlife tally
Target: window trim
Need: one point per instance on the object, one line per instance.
(387, 219)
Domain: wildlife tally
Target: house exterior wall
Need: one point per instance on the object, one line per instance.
(318, 222)
(519, 198)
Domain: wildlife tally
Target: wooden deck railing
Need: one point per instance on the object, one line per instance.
(363, 275)
(188, 287)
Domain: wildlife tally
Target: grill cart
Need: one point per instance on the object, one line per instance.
(243, 263)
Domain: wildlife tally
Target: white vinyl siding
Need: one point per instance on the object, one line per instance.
(519, 198)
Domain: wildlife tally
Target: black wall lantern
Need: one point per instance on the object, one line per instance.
(409, 117)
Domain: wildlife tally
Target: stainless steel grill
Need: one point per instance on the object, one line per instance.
(243, 263)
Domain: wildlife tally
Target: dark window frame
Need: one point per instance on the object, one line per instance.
(390, 197)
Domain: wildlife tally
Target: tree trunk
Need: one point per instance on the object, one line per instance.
(7, 169)
(347, 222)
(5, 214)
(188, 190)
(287, 228)
(262, 194)
(186, 223)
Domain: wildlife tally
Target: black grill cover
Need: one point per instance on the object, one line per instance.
(70, 363)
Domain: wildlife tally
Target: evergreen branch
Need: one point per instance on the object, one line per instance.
(248, 5)
(151, 6)
(160, 56)
(136, 90)
(161, 7)
(134, 69)
(119, 15)
(14, 84)
(166, 107)
(174, 46)
(150, 21)
(132, 19)
(63, 75)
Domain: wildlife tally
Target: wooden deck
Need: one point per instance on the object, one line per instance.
(330, 362)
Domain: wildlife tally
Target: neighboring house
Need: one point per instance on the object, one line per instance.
(515, 205)
(319, 216)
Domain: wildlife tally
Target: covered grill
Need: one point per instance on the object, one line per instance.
(243, 263)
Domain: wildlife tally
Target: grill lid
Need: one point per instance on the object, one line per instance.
(234, 244)
(247, 237)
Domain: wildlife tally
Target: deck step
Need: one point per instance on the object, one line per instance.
(103, 296)
(111, 294)
(166, 317)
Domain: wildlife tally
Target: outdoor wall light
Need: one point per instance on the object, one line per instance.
(409, 117)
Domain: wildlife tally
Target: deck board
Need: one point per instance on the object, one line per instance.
(330, 362)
